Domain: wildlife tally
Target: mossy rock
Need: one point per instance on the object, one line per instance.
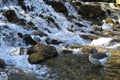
(109, 20)
(40, 53)
(35, 58)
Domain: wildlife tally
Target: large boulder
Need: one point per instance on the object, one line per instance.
(40, 53)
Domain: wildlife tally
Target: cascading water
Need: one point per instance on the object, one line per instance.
(10, 43)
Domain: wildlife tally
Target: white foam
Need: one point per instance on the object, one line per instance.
(77, 51)
(103, 41)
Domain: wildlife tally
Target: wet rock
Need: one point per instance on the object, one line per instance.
(70, 28)
(50, 19)
(24, 7)
(20, 35)
(58, 7)
(40, 53)
(79, 24)
(52, 41)
(21, 2)
(98, 29)
(39, 33)
(2, 63)
(28, 40)
(86, 49)
(11, 16)
(109, 20)
(21, 22)
(89, 37)
(67, 51)
(36, 58)
(30, 23)
(93, 13)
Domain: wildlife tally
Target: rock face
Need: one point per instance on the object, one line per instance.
(2, 63)
(40, 53)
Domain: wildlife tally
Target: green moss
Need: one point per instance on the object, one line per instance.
(35, 58)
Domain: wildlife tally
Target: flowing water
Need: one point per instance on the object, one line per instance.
(65, 67)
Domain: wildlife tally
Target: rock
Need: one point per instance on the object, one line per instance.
(50, 19)
(11, 16)
(58, 7)
(66, 51)
(109, 20)
(79, 24)
(30, 23)
(52, 41)
(24, 7)
(93, 13)
(28, 40)
(20, 35)
(86, 49)
(90, 37)
(22, 4)
(39, 33)
(21, 22)
(40, 53)
(2, 63)
(36, 58)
